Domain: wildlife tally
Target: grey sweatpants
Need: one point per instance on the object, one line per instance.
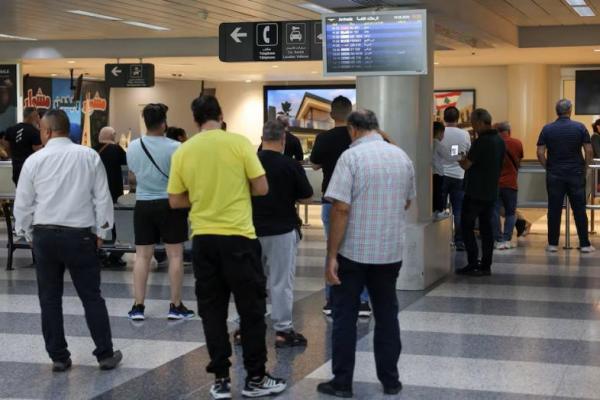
(279, 262)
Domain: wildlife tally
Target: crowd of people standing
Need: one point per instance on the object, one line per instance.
(240, 206)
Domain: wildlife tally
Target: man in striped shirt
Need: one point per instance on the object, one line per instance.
(371, 190)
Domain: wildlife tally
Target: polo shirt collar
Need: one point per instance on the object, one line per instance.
(563, 118)
(373, 137)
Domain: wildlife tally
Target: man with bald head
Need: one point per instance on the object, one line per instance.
(113, 157)
(63, 208)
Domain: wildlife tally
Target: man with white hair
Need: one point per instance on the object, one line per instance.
(113, 157)
(371, 189)
(559, 151)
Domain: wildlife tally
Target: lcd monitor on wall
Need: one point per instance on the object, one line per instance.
(375, 43)
(587, 92)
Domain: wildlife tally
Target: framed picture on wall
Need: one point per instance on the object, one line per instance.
(463, 99)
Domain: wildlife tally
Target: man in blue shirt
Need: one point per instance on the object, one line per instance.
(559, 151)
(149, 159)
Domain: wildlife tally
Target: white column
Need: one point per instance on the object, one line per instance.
(404, 107)
(528, 103)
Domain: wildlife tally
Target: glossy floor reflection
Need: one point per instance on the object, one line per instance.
(530, 331)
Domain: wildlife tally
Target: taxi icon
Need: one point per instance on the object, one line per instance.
(295, 34)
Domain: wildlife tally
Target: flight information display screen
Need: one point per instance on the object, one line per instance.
(375, 43)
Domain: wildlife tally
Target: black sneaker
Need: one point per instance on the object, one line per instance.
(330, 389)
(392, 390)
(364, 310)
(465, 270)
(264, 386)
(179, 312)
(327, 309)
(221, 389)
(111, 362)
(61, 366)
(137, 312)
(290, 339)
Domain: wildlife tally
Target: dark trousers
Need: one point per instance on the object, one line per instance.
(573, 187)
(484, 211)
(55, 250)
(439, 203)
(455, 189)
(224, 265)
(380, 280)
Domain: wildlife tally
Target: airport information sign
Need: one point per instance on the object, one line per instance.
(129, 75)
(270, 41)
(376, 43)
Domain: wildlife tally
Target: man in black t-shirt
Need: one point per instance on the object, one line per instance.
(22, 140)
(326, 151)
(483, 166)
(277, 223)
(113, 157)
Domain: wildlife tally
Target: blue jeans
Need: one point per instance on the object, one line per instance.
(454, 188)
(572, 186)
(325, 213)
(507, 199)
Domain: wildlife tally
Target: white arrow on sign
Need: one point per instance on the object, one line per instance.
(116, 71)
(236, 34)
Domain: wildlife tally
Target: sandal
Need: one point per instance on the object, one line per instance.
(290, 339)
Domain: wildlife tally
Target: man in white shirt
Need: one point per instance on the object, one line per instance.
(63, 207)
(456, 141)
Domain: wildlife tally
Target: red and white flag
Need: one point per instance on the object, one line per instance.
(446, 99)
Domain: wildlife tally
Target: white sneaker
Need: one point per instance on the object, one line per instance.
(500, 246)
(509, 245)
(587, 249)
(551, 249)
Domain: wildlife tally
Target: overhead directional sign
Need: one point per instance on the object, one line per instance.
(129, 75)
(271, 41)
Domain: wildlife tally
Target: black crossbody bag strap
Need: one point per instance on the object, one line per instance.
(152, 159)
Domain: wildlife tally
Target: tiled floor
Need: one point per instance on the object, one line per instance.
(530, 331)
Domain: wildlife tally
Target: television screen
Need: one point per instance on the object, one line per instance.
(307, 107)
(375, 43)
(587, 92)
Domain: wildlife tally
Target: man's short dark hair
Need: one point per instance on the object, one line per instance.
(438, 127)
(482, 115)
(58, 121)
(363, 120)
(451, 115)
(28, 111)
(273, 131)
(206, 108)
(596, 126)
(175, 133)
(154, 115)
(341, 107)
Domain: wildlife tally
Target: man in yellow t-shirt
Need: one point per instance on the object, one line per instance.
(216, 173)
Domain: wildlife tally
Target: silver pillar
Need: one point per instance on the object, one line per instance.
(404, 107)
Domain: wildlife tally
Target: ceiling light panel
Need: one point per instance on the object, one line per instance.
(5, 36)
(584, 11)
(576, 2)
(94, 15)
(147, 26)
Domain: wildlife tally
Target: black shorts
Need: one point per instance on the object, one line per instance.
(155, 222)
